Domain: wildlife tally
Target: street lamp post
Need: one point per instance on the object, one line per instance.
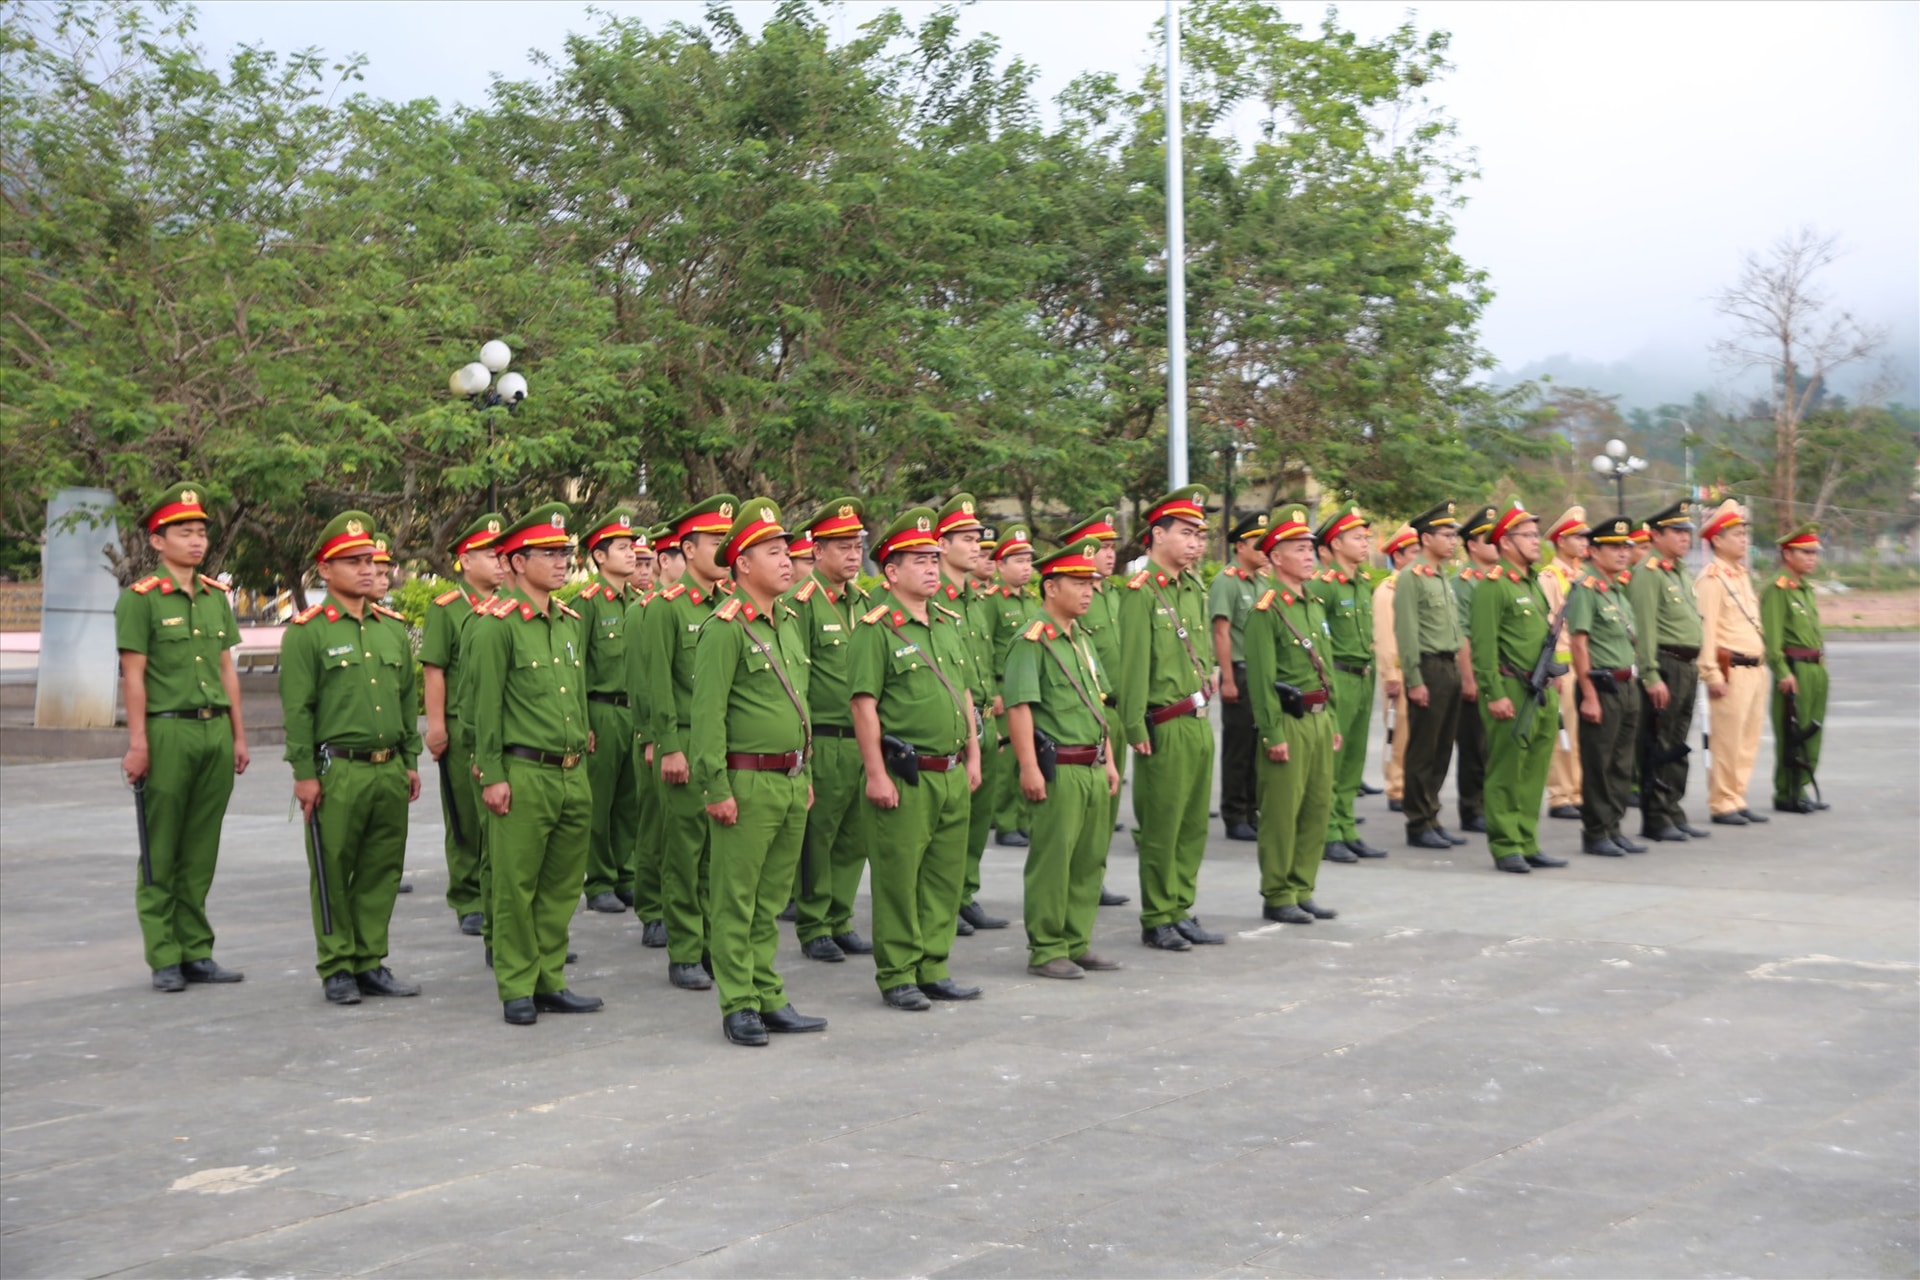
(487, 386)
(1616, 464)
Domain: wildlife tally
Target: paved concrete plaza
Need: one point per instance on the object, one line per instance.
(1700, 1062)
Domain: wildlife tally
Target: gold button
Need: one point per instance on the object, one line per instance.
(376, 706)
(369, 655)
(196, 631)
(563, 688)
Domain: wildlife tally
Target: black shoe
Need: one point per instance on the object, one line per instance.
(1819, 805)
(520, 1012)
(1668, 834)
(1429, 839)
(1242, 831)
(1394, 806)
(852, 943)
(1012, 839)
(573, 957)
(1317, 911)
(1108, 898)
(906, 996)
(1476, 824)
(1288, 913)
(1731, 818)
(1512, 862)
(381, 982)
(1696, 833)
(1751, 816)
(608, 902)
(948, 989)
(1602, 848)
(472, 923)
(1337, 851)
(1362, 849)
(787, 1020)
(340, 988)
(744, 1027)
(1628, 844)
(1451, 838)
(1565, 811)
(788, 912)
(565, 1001)
(625, 896)
(406, 886)
(1359, 821)
(653, 933)
(1368, 789)
(209, 970)
(689, 977)
(976, 915)
(1164, 937)
(1545, 860)
(823, 948)
(1793, 806)
(169, 978)
(1193, 931)
(961, 929)
(486, 955)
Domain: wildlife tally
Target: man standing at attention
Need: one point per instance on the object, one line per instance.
(1346, 600)
(1732, 665)
(1229, 601)
(611, 542)
(1436, 662)
(1668, 620)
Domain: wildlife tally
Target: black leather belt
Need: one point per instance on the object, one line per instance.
(1742, 660)
(1352, 670)
(832, 731)
(611, 699)
(567, 761)
(381, 756)
(1681, 651)
(198, 713)
(1446, 654)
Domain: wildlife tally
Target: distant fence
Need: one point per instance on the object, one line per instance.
(19, 606)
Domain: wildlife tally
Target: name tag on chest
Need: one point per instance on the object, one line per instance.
(339, 650)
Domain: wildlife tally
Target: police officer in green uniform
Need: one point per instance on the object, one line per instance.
(816, 624)
(963, 590)
(1790, 626)
(1470, 777)
(1013, 606)
(1436, 662)
(672, 625)
(915, 727)
(1601, 636)
(1229, 602)
(346, 689)
(1055, 695)
(532, 736)
(1165, 687)
(449, 737)
(1102, 625)
(611, 541)
(748, 747)
(1345, 596)
(1292, 691)
(661, 558)
(1668, 620)
(185, 736)
(1511, 622)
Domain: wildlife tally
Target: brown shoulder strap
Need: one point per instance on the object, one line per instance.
(1319, 669)
(806, 723)
(1180, 629)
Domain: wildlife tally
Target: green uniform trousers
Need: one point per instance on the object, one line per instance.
(1011, 809)
(1606, 761)
(462, 819)
(836, 843)
(1353, 717)
(752, 870)
(1171, 789)
(684, 871)
(649, 899)
(1239, 745)
(1294, 801)
(1065, 862)
(616, 810)
(1516, 771)
(1431, 731)
(919, 858)
(980, 811)
(1471, 775)
(1121, 752)
(189, 780)
(539, 854)
(363, 832)
(1663, 789)
(1811, 705)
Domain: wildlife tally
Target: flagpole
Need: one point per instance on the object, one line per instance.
(1176, 265)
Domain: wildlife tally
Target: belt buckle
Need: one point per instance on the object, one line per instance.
(799, 766)
(1200, 702)
(569, 760)
(381, 756)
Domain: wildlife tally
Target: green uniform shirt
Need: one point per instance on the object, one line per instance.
(1599, 610)
(528, 680)
(673, 623)
(1102, 626)
(1347, 601)
(1274, 652)
(893, 658)
(740, 702)
(976, 619)
(639, 683)
(1035, 678)
(1231, 597)
(1012, 610)
(1426, 619)
(1664, 612)
(182, 635)
(347, 682)
(821, 631)
(1510, 623)
(603, 613)
(1463, 582)
(1164, 654)
(1789, 619)
(447, 620)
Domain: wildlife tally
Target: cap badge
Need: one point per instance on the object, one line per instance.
(558, 521)
(726, 510)
(626, 522)
(493, 526)
(355, 528)
(189, 496)
(966, 508)
(923, 525)
(846, 511)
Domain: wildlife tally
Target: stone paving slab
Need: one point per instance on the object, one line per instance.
(1705, 1061)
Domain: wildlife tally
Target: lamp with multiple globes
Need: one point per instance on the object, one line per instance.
(1616, 464)
(486, 385)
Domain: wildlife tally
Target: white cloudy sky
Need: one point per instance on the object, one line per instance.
(1630, 153)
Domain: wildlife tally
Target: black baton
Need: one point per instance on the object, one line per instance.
(320, 872)
(140, 823)
(446, 797)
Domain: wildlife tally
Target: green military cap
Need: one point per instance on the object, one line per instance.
(1098, 526)
(835, 518)
(1480, 523)
(664, 539)
(1344, 517)
(1188, 502)
(757, 520)
(1252, 526)
(481, 534)
(1807, 535)
(345, 534)
(911, 530)
(715, 515)
(957, 516)
(617, 523)
(1614, 531)
(1013, 542)
(1075, 560)
(544, 526)
(1440, 515)
(382, 549)
(1678, 516)
(172, 505)
(1288, 523)
(989, 538)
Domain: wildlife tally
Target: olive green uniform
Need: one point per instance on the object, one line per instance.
(1599, 610)
(1427, 627)
(673, 624)
(1668, 621)
(649, 902)
(1470, 741)
(1163, 630)
(1346, 601)
(817, 624)
(447, 620)
(1790, 619)
(976, 618)
(1285, 638)
(529, 684)
(184, 636)
(919, 850)
(1231, 596)
(1011, 611)
(1101, 623)
(749, 688)
(1510, 623)
(610, 770)
(347, 690)
(1057, 674)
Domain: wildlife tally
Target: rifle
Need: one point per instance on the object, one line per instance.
(446, 797)
(140, 824)
(1799, 764)
(1545, 672)
(319, 872)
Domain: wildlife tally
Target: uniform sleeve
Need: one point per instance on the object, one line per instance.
(437, 641)
(1322, 635)
(1386, 647)
(1712, 598)
(1461, 589)
(132, 623)
(299, 699)
(1773, 631)
(638, 687)
(663, 637)
(716, 660)
(1643, 593)
(409, 699)
(1022, 684)
(1488, 600)
(1220, 596)
(865, 670)
(1136, 649)
(233, 622)
(1580, 610)
(1263, 668)
(1406, 627)
(488, 650)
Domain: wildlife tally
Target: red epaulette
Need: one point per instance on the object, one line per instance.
(449, 597)
(728, 611)
(592, 589)
(307, 614)
(563, 608)
(147, 584)
(874, 614)
(1138, 580)
(899, 619)
(1265, 601)
(1036, 629)
(504, 607)
(1626, 576)
(807, 588)
(212, 584)
(673, 592)
(385, 612)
